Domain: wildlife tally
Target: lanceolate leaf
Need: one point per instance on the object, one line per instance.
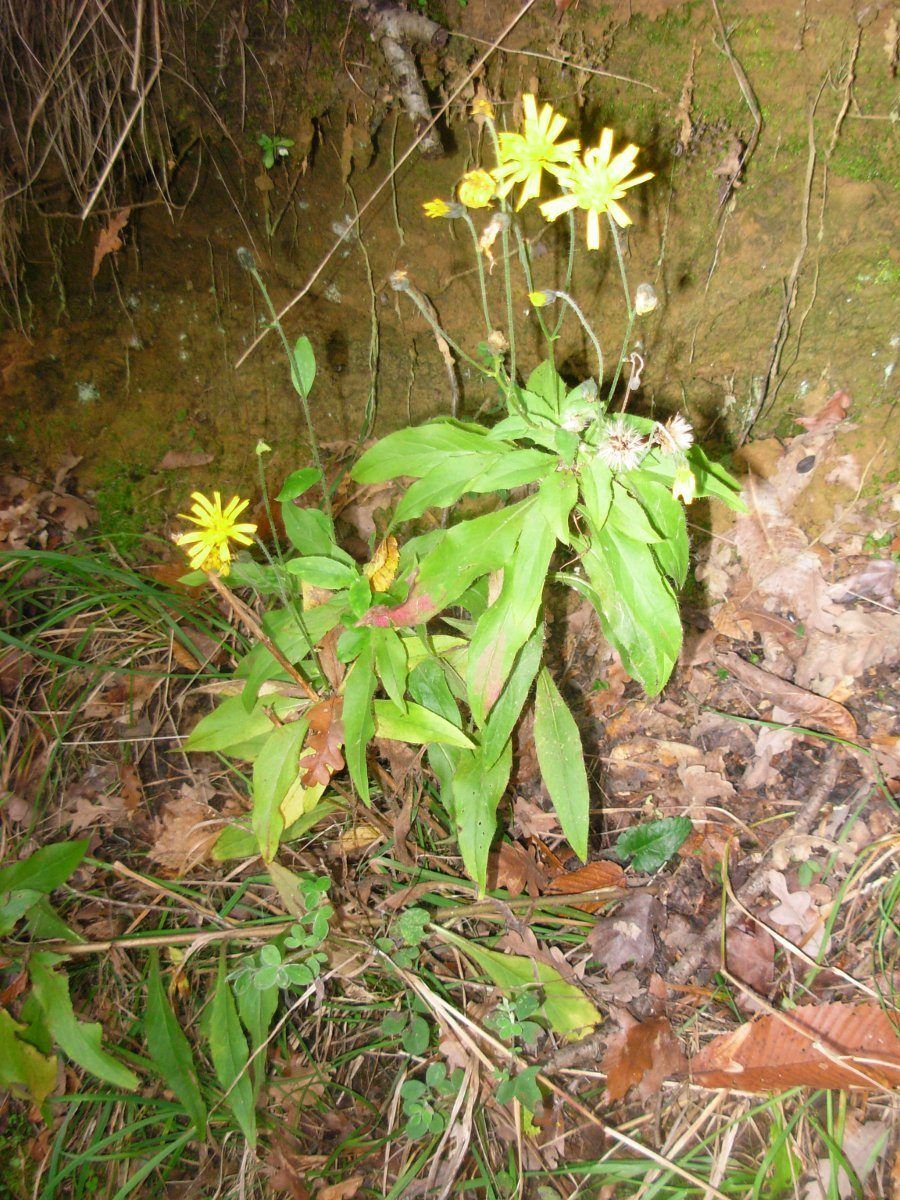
(469, 549)
(506, 711)
(667, 515)
(228, 1051)
(257, 1007)
(561, 759)
(79, 1040)
(391, 663)
(420, 451)
(417, 725)
(476, 793)
(231, 725)
(627, 516)
(44, 870)
(170, 1051)
(359, 725)
(506, 468)
(274, 771)
(638, 609)
(564, 1006)
(23, 1064)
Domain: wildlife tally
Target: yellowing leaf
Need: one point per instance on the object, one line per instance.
(382, 570)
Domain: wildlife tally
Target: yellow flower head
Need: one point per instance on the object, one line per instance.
(684, 486)
(596, 184)
(524, 156)
(208, 543)
(538, 299)
(482, 107)
(436, 208)
(476, 189)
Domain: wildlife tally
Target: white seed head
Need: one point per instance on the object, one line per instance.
(622, 447)
(676, 436)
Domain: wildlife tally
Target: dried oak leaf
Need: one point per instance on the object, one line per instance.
(108, 240)
(185, 833)
(627, 938)
(641, 1057)
(326, 740)
(820, 1046)
(510, 866)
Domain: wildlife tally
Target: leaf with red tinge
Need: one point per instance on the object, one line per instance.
(108, 240)
(599, 874)
(641, 1057)
(326, 740)
(830, 415)
(820, 1046)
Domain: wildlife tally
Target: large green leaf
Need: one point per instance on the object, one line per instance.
(466, 551)
(256, 1007)
(323, 572)
(79, 1040)
(510, 620)
(170, 1051)
(228, 1051)
(274, 771)
(359, 724)
(546, 382)
(561, 759)
(597, 491)
(506, 711)
(44, 870)
(230, 725)
(236, 841)
(667, 516)
(637, 607)
(477, 791)
(23, 1064)
(297, 483)
(506, 468)
(391, 663)
(627, 515)
(417, 725)
(309, 530)
(563, 1005)
(419, 451)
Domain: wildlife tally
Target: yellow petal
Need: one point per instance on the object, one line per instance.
(593, 231)
(604, 147)
(619, 215)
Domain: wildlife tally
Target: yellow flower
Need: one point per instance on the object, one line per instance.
(596, 184)
(538, 299)
(524, 156)
(382, 570)
(436, 208)
(209, 548)
(476, 189)
(685, 485)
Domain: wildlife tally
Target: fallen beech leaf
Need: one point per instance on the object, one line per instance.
(345, 1190)
(641, 1057)
(179, 460)
(510, 866)
(599, 874)
(108, 240)
(769, 1054)
(326, 739)
(803, 706)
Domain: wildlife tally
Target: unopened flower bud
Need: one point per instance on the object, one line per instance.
(245, 258)
(645, 299)
(399, 281)
(497, 342)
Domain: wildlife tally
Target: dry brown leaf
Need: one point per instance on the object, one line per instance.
(829, 415)
(345, 1190)
(750, 957)
(326, 740)
(599, 874)
(354, 839)
(179, 460)
(185, 833)
(108, 240)
(683, 111)
(530, 820)
(803, 706)
(819, 1046)
(627, 938)
(863, 1146)
(641, 1057)
(71, 512)
(510, 866)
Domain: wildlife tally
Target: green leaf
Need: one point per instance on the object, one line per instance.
(23, 1064)
(652, 844)
(546, 382)
(504, 468)
(467, 550)
(667, 516)
(297, 483)
(359, 725)
(305, 366)
(418, 452)
(231, 725)
(228, 1051)
(236, 841)
(627, 516)
(597, 492)
(564, 1006)
(508, 707)
(44, 870)
(391, 664)
(557, 497)
(416, 1036)
(477, 791)
(309, 530)
(561, 759)
(274, 771)
(79, 1040)
(522, 1087)
(417, 725)
(637, 607)
(256, 1007)
(323, 572)
(170, 1051)
(508, 623)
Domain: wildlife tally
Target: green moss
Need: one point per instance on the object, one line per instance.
(122, 513)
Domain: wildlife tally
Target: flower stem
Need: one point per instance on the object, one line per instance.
(481, 280)
(587, 329)
(630, 309)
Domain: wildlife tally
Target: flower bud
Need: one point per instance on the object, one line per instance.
(645, 299)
